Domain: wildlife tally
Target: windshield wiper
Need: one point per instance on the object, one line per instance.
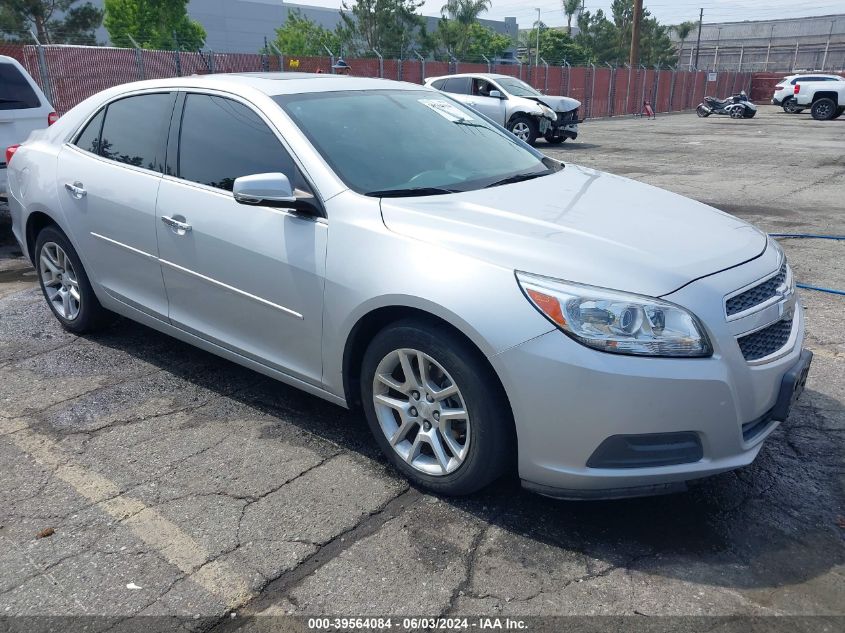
(410, 191)
(519, 178)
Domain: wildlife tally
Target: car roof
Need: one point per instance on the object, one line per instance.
(482, 75)
(278, 83)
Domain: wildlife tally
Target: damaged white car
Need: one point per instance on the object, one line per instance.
(514, 104)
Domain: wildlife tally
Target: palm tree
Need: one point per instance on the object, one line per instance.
(683, 30)
(570, 8)
(465, 11)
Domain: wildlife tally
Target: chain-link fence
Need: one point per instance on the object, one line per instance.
(70, 74)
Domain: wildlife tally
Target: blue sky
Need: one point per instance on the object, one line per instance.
(667, 11)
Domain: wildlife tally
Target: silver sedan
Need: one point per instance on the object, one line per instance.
(380, 245)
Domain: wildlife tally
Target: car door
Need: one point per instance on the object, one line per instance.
(246, 278)
(109, 177)
(492, 107)
(459, 88)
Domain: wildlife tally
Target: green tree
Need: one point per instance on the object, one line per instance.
(301, 36)
(75, 26)
(609, 40)
(388, 26)
(683, 31)
(155, 24)
(482, 40)
(570, 7)
(556, 46)
(456, 25)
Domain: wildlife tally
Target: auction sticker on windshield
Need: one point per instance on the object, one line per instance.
(446, 110)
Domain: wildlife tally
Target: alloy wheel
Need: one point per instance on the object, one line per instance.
(823, 111)
(421, 411)
(61, 284)
(522, 131)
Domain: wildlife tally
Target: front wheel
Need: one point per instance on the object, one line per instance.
(702, 111)
(435, 408)
(65, 284)
(749, 114)
(824, 109)
(737, 113)
(524, 128)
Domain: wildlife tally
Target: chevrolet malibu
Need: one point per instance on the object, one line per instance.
(486, 306)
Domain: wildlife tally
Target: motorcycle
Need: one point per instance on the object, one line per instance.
(736, 106)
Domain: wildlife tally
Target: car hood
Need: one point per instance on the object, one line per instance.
(558, 104)
(586, 226)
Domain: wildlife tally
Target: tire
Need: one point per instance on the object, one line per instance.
(737, 113)
(524, 128)
(824, 109)
(839, 113)
(482, 441)
(749, 114)
(554, 140)
(65, 284)
(702, 111)
(790, 106)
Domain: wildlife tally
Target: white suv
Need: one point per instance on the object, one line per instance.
(23, 109)
(785, 90)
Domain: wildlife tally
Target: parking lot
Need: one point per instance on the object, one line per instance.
(143, 476)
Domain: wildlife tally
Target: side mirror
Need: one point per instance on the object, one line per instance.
(272, 190)
(496, 94)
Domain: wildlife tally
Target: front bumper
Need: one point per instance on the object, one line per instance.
(568, 399)
(566, 130)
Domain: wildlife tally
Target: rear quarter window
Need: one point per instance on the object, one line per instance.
(16, 93)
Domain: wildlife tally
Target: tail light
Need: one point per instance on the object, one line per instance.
(10, 151)
(797, 89)
(52, 118)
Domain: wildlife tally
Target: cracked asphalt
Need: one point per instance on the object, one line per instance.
(141, 476)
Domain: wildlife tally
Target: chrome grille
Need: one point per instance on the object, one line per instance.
(756, 295)
(565, 118)
(766, 341)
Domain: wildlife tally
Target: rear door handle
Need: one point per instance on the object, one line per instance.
(179, 227)
(76, 190)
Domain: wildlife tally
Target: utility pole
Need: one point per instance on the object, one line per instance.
(698, 41)
(634, 58)
(537, 52)
(827, 46)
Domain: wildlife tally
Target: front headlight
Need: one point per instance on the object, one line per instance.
(618, 322)
(548, 112)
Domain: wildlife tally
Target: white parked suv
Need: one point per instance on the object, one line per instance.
(785, 91)
(826, 100)
(23, 109)
(514, 104)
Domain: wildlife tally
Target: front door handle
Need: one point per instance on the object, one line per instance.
(179, 227)
(76, 190)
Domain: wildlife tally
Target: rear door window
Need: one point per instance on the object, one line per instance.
(89, 138)
(458, 85)
(135, 130)
(16, 93)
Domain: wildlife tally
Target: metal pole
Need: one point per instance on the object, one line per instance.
(139, 58)
(672, 87)
(795, 57)
(489, 64)
(422, 66)
(628, 92)
(381, 64)
(769, 48)
(741, 53)
(689, 67)
(716, 54)
(177, 56)
(568, 76)
(42, 70)
(537, 52)
(610, 90)
(280, 55)
(592, 89)
(642, 100)
(656, 87)
(827, 46)
(698, 41)
(546, 80)
(331, 57)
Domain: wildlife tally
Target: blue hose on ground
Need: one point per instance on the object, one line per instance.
(811, 236)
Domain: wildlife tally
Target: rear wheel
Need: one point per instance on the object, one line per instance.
(824, 109)
(435, 408)
(791, 106)
(524, 128)
(65, 284)
(702, 111)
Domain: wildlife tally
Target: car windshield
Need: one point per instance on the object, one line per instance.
(410, 142)
(517, 87)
